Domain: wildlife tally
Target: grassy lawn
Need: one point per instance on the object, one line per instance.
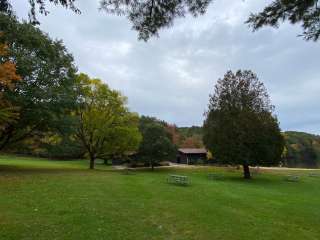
(44, 199)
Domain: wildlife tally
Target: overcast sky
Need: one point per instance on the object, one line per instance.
(171, 77)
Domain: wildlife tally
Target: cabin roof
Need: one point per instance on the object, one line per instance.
(193, 150)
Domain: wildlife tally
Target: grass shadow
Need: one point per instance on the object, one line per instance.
(11, 169)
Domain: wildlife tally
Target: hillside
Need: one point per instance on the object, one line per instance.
(190, 137)
(302, 149)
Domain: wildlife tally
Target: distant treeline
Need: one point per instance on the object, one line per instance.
(301, 150)
(190, 137)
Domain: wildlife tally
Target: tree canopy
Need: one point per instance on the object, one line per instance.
(40, 5)
(240, 128)
(147, 16)
(306, 12)
(150, 16)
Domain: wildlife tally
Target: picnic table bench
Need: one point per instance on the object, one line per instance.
(178, 179)
(214, 176)
(128, 171)
(314, 174)
(292, 178)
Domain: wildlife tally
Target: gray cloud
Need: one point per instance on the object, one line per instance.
(171, 77)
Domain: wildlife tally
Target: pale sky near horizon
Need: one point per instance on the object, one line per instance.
(171, 77)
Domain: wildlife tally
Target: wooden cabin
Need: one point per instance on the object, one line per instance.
(191, 156)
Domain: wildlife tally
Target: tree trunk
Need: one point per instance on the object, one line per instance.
(246, 171)
(5, 138)
(92, 162)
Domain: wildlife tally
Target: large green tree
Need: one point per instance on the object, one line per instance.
(240, 128)
(156, 145)
(106, 127)
(45, 95)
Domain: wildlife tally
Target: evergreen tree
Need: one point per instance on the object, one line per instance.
(240, 128)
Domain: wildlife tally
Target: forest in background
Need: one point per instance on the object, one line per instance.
(301, 149)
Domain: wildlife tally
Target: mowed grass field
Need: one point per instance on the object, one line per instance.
(45, 199)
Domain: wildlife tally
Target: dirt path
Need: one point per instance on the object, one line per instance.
(174, 165)
(262, 168)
